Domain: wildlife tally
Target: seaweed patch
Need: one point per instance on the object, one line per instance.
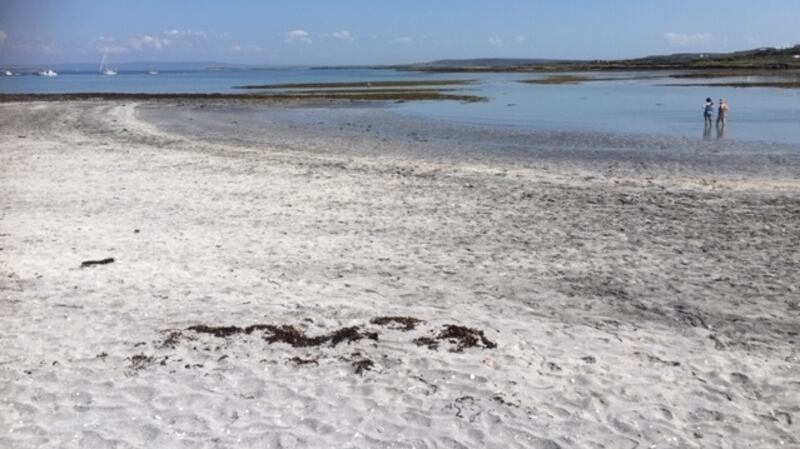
(405, 323)
(297, 336)
(460, 336)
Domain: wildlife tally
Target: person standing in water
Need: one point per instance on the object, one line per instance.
(722, 113)
(708, 114)
(708, 111)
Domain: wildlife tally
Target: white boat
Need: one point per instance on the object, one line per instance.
(8, 73)
(48, 73)
(105, 70)
(152, 72)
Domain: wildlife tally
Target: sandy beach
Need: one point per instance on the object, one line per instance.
(311, 277)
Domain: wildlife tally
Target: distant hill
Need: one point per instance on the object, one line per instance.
(761, 58)
(489, 62)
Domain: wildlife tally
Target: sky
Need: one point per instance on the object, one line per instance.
(351, 32)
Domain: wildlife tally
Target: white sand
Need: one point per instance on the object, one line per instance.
(640, 312)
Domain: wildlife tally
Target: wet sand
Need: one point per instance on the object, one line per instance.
(287, 277)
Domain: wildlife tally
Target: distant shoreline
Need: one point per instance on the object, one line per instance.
(762, 59)
(765, 69)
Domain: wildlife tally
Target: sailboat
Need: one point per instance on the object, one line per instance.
(106, 70)
(48, 73)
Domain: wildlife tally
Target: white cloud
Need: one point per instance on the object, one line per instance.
(30, 47)
(247, 49)
(149, 42)
(174, 39)
(188, 39)
(684, 40)
(3, 37)
(47, 49)
(298, 36)
(496, 42)
(520, 39)
(343, 35)
(403, 40)
(186, 33)
(109, 45)
(112, 49)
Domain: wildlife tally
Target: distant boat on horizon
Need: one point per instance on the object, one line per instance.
(105, 70)
(8, 73)
(152, 72)
(49, 73)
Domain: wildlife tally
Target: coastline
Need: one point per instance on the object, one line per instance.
(633, 300)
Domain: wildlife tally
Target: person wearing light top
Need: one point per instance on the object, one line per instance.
(722, 113)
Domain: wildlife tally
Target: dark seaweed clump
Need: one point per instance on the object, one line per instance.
(363, 365)
(462, 337)
(459, 337)
(141, 361)
(405, 323)
(288, 334)
(300, 361)
(465, 337)
(431, 343)
(91, 263)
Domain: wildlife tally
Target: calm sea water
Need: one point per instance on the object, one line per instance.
(637, 103)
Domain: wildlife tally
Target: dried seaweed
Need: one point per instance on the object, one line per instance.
(300, 361)
(363, 365)
(141, 361)
(429, 342)
(465, 337)
(405, 323)
(462, 337)
(90, 263)
(288, 334)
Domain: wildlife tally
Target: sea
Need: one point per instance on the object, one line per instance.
(651, 103)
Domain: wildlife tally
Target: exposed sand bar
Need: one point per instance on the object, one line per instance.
(565, 79)
(269, 98)
(745, 84)
(623, 304)
(361, 84)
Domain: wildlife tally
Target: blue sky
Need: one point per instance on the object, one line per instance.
(383, 31)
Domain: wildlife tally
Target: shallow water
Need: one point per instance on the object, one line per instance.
(210, 81)
(625, 106)
(374, 131)
(636, 103)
